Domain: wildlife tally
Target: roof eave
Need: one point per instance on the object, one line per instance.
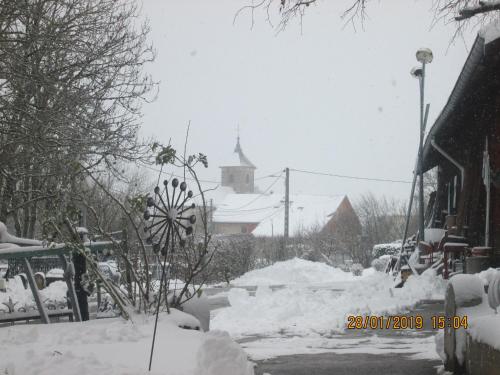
(464, 80)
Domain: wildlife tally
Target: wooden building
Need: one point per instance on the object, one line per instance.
(465, 135)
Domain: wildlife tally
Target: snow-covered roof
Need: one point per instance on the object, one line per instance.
(238, 158)
(469, 96)
(306, 211)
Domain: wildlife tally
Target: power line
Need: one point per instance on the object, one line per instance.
(179, 176)
(272, 214)
(350, 177)
(269, 175)
(236, 213)
(206, 181)
(259, 196)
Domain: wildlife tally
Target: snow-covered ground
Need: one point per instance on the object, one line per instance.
(307, 314)
(119, 347)
(301, 308)
(409, 347)
(112, 346)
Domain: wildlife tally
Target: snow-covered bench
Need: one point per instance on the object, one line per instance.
(34, 315)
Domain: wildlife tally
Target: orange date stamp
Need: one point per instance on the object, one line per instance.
(399, 322)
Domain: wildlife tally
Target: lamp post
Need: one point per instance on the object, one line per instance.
(424, 56)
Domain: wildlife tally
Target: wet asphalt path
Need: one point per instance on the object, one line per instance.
(352, 364)
(362, 363)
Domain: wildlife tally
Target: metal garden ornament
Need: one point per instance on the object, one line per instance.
(169, 223)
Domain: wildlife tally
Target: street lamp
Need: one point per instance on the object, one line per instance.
(424, 56)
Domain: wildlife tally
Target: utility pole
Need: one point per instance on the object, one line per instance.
(421, 203)
(211, 227)
(424, 56)
(287, 211)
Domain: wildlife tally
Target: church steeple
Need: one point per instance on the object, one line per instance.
(244, 161)
(238, 173)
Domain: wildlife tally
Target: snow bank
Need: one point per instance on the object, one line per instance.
(301, 310)
(484, 322)
(469, 289)
(16, 291)
(118, 347)
(474, 314)
(220, 355)
(487, 275)
(21, 297)
(293, 271)
(56, 291)
(486, 330)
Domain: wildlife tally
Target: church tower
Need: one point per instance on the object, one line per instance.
(238, 173)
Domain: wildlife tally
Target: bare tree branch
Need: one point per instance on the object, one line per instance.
(481, 7)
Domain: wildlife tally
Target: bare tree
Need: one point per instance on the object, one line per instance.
(71, 89)
(383, 219)
(461, 11)
(233, 256)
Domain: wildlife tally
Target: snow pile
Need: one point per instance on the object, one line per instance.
(218, 354)
(21, 297)
(56, 291)
(469, 289)
(118, 347)
(17, 293)
(484, 322)
(293, 271)
(486, 330)
(487, 275)
(302, 310)
(474, 314)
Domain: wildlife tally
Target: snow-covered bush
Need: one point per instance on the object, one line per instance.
(357, 269)
(386, 249)
(380, 264)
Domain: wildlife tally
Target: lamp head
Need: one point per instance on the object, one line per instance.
(416, 72)
(424, 55)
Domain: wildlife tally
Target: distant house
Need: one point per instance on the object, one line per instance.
(464, 146)
(240, 210)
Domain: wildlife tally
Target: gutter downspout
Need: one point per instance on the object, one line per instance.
(453, 161)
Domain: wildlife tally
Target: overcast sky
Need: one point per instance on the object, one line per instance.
(327, 99)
